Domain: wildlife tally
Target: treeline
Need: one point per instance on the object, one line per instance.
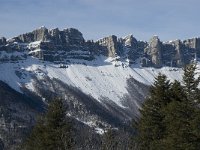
(170, 120)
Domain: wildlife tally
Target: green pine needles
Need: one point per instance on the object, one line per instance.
(52, 131)
(170, 117)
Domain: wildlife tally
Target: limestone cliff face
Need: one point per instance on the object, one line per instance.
(73, 36)
(130, 41)
(58, 45)
(131, 49)
(154, 49)
(179, 53)
(3, 41)
(194, 44)
(63, 38)
(174, 53)
(47, 44)
(110, 45)
(40, 34)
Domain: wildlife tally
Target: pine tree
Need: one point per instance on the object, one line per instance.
(116, 140)
(109, 141)
(178, 120)
(177, 92)
(150, 126)
(170, 117)
(52, 131)
(193, 94)
(190, 83)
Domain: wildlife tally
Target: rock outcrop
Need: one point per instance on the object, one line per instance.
(154, 50)
(3, 41)
(55, 45)
(130, 41)
(50, 45)
(109, 45)
(193, 44)
(173, 53)
(131, 48)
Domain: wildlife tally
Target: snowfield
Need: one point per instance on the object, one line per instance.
(102, 77)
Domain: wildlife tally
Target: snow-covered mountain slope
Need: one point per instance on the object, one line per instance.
(101, 92)
(99, 78)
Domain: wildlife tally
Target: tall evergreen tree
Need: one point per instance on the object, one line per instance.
(116, 140)
(179, 115)
(150, 126)
(191, 83)
(170, 117)
(193, 95)
(109, 141)
(52, 131)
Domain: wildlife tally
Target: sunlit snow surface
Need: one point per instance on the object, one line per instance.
(101, 77)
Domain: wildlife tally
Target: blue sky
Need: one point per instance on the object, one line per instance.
(169, 19)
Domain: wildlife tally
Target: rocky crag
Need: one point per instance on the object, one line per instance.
(57, 46)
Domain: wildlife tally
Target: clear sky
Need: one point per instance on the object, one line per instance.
(169, 19)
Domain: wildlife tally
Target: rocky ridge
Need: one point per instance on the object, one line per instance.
(57, 46)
